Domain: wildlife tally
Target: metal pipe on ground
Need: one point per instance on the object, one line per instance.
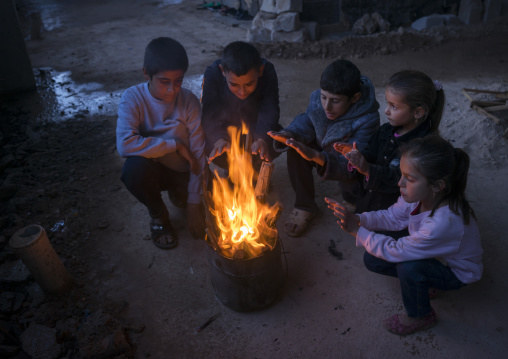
(33, 247)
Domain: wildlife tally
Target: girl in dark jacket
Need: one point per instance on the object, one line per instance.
(414, 109)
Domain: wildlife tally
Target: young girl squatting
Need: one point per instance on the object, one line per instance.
(443, 248)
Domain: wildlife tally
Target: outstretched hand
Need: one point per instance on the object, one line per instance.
(280, 136)
(348, 221)
(182, 149)
(342, 147)
(219, 148)
(306, 152)
(260, 147)
(357, 160)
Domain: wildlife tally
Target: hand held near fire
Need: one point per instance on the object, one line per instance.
(280, 136)
(306, 152)
(260, 147)
(357, 160)
(182, 149)
(342, 147)
(348, 221)
(219, 148)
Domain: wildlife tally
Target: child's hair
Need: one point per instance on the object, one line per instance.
(419, 90)
(165, 54)
(240, 57)
(437, 159)
(341, 77)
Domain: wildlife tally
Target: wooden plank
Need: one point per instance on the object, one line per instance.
(496, 108)
(467, 95)
(487, 103)
(485, 113)
(503, 94)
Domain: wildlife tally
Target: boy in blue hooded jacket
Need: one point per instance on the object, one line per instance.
(345, 109)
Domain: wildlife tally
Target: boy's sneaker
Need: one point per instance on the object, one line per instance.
(298, 222)
(402, 325)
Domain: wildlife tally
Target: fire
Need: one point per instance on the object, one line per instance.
(240, 218)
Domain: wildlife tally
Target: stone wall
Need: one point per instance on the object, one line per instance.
(279, 20)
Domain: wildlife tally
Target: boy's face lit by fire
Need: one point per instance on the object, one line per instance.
(242, 86)
(165, 85)
(336, 105)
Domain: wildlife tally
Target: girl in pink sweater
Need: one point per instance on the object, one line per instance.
(443, 249)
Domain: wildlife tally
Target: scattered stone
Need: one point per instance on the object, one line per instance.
(370, 23)
(14, 271)
(39, 342)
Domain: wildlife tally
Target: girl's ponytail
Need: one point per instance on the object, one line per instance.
(438, 160)
(457, 198)
(436, 112)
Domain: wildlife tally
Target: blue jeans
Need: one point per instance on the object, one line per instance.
(415, 279)
(146, 178)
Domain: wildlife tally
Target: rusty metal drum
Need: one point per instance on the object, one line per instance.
(248, 284)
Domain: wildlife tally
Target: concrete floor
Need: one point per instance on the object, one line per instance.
(329, 307)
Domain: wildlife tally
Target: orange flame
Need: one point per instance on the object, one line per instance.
(239, 216)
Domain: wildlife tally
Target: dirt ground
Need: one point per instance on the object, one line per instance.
(60, 169)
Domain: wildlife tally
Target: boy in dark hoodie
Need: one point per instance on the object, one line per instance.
(343, 110)
(240, 87)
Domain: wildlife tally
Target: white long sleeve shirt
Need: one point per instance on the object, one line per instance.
(443, 236)
(148, 127)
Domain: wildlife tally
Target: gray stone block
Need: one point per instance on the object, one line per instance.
(370, 24)
(259, 34)
(288, 21)
(280, 6)
(430, 21)
(264, 20)
(299, 35)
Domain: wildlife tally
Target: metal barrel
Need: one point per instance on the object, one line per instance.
(247, 284)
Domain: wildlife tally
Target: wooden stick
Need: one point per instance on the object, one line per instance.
(272, 217)
(263, 183)
(488, 103)
(496, 108)
(503, 94)
(467, 95)
(485, 113)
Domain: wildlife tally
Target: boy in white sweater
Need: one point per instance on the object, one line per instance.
(159, 133)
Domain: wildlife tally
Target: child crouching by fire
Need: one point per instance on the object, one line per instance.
(159, 133)
(443, 249)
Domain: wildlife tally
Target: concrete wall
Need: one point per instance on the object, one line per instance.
(16, 73)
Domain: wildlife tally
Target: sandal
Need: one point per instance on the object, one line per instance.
(402, 325)
(298, 222)
(162, 227)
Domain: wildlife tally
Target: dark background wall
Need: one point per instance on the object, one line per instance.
(397, 12)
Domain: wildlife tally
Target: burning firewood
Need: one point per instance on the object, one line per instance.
(263, 183)
(240, 225)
